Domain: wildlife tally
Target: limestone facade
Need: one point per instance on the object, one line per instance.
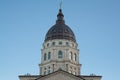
(69, 60)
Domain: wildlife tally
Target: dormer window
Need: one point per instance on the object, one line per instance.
(66, 30)
(60, 30)
(54, 31)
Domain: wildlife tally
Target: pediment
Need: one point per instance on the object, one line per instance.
(60, 75)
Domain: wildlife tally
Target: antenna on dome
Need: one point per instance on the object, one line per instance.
(61, 4)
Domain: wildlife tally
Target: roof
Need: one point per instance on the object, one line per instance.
(60, 30)
(81, 77)
(63, 72)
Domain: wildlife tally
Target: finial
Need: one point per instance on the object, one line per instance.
(60, 15)
(61, 4)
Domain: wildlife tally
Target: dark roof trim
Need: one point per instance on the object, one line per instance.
(89, 76)
(29, 75)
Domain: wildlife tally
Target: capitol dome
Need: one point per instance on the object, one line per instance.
(60, 30)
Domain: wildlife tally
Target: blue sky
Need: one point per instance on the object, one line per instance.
(24, 23)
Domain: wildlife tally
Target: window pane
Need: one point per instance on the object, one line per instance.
(53, 43)
(70, 55)
(48, 71)
(74, 57)
(67, 43)
(49, 55)
(60, 43)
(47, 44)
(60, 54)
(45, 57)
(74, 73)
(44, 72)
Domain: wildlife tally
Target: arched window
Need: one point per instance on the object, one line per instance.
(60, 43)
(67, 44)
(47, 44)
(49, 55)
(53, 43)
(74, 57)
(72, 45)
(70, 55)
(70, 71)
(45, 71)
(60, 54)
(74, 73)
(49, 70)
(45, 57)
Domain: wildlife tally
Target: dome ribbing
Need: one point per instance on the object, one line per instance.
(60, 30)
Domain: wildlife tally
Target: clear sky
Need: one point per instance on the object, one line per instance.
(24, 23)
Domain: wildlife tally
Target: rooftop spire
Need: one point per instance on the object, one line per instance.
(61, 4)
(60, 16)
